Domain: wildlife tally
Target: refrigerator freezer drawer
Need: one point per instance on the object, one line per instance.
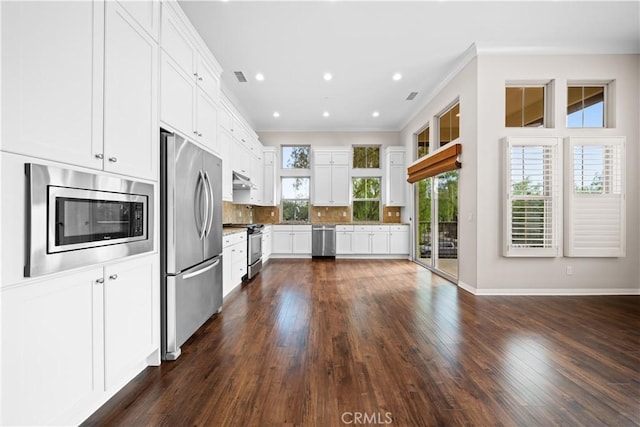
(191, 299)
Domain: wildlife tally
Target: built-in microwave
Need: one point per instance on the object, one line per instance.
(78, 218)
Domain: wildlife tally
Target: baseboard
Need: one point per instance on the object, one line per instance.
(467, 287)
(556, 292)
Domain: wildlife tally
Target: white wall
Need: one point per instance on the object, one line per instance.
(497, 274)
(317, 139)
(462, 86)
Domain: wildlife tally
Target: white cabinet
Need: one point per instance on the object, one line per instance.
(226, 150)
(330, 177)
(291, 239)
(189, 83)
(266, 243)
(234, 260)
(269, 174)
(370, 239)
(80, 87)
(242, 160)
(130, 97)
(399, 239)
(52, 62)
(146, 13)
(52, 344)
(130, 317)
(344, 235)
(395, 176)
(70, 342)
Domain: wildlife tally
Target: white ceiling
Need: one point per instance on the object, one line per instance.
(363, 43)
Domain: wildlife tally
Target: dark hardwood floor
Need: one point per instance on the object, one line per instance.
(330, 343)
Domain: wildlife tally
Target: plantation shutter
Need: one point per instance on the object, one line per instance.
(595, 197)
(532, 203)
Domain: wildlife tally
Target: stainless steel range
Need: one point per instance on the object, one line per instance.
(254, 248)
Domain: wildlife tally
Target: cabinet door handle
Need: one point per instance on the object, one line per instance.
(113, 159)
(196, 74)
(200, 78)
(100, 280)
(195, 132)
(113, 277)
(99, 156)
(199, 134)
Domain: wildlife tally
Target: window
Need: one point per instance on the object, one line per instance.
(524, 106)
(295, 199)
(366, 157)
(449, 125)
(596, 203)
(295, 157)
(533, 197)
(585, 106)
(366, 199)
(423, 143)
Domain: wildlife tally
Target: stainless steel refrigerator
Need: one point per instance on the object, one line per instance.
(191, 235)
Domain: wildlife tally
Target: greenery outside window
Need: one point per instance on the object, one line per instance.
(366, 199)
(585, 106)
(366, 157)
(524, 107)
(295, 157)
(423, 143)
(295, 199)
(449, 125)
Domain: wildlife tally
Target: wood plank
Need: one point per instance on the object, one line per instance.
(310, 340)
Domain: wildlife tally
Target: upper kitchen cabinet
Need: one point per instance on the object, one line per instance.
(52, 62)
(189, 82)
(146, 14)
(79, 82)
(395, 176)
(331, 177)
(269, 173)
(130, 97)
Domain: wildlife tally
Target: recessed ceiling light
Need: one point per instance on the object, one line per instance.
(375, 114)
(325, 114)
(397, 76)
(259, 77)
(276, 114)
(327, 76)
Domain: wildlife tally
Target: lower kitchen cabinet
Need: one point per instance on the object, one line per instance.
(344, 237)
(372, 240)
(291, 240)
(399, 239)
(130, 320)
(69, 343)
(234, 260)
(266, 243)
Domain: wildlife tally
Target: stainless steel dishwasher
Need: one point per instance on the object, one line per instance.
(323, 240)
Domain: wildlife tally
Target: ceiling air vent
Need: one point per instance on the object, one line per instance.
(411, 96)
(241, 78)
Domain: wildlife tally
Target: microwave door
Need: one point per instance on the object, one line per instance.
(187, 201)
(212, 168)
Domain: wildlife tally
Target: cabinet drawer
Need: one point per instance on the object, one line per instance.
(361, 228)
(344, 228)
(398, 228)
(381, 228)
(232, 239)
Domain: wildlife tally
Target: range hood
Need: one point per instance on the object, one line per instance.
(241, 182)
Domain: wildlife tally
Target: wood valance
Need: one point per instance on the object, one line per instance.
(441, 161)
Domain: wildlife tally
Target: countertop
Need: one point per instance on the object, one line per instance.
(233, 230)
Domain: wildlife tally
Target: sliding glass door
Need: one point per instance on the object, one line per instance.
(437, 235)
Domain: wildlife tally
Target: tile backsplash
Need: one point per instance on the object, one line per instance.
(247, 214)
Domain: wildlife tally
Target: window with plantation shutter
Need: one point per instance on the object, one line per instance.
(595, 197)
(533, 201)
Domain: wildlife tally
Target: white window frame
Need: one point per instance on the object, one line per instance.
(379, 199)
(353, 153)
(294, 171)
(605, 119)
(553, 195)
(436, 141)
(595, 221)
(548, 93)
(283, 199)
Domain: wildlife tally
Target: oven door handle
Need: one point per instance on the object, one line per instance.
(209, 191)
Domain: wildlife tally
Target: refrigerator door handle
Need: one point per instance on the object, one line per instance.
(205, 218)
(201, 271)
(210, 204)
